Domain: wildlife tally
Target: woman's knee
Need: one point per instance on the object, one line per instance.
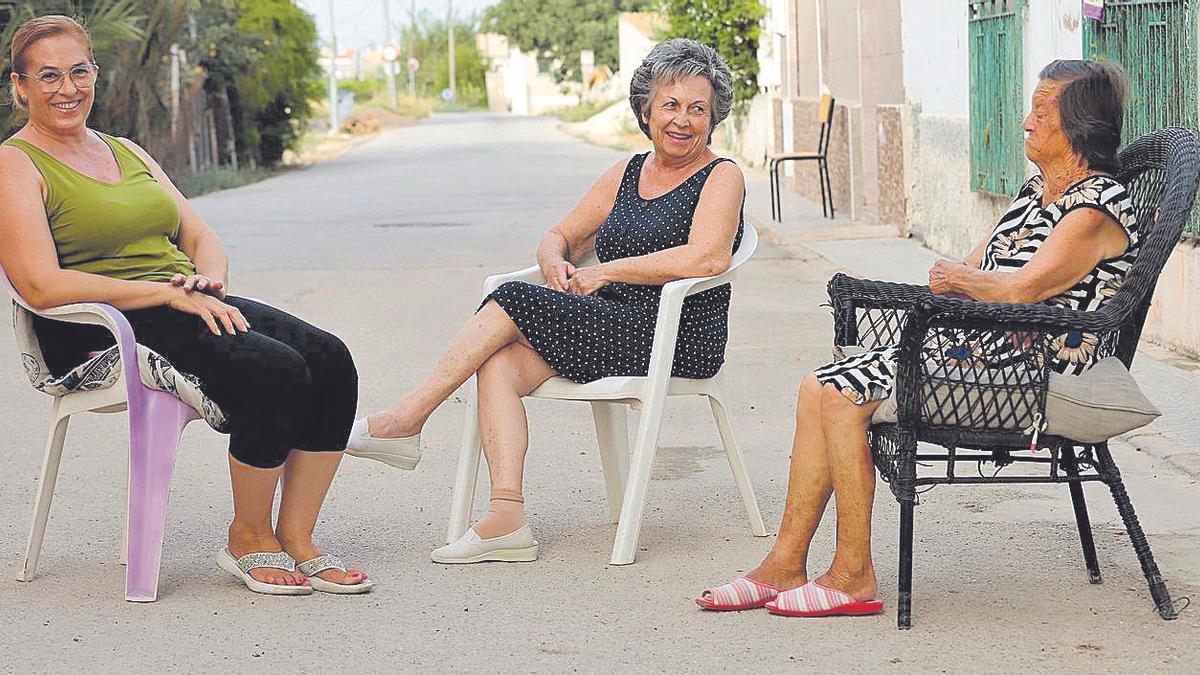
(500, 367)
(274, 374)
(842, 411)
(330, 359)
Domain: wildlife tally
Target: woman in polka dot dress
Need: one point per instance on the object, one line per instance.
(672, 213)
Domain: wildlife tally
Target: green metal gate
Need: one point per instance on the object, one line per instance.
(1155, 41)
(996, 58)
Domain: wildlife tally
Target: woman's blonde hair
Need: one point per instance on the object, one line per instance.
(41, 28)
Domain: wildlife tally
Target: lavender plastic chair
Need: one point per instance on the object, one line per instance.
(156, 422)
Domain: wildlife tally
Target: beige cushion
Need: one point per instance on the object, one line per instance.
(1103, 402)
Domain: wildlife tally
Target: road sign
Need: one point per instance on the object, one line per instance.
(447, 94)
(413, 63)
(391, 53)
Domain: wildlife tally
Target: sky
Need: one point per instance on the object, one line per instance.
(360, 22)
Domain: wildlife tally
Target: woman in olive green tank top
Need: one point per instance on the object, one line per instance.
(85, 217)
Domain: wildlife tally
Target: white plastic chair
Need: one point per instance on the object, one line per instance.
(626, 482)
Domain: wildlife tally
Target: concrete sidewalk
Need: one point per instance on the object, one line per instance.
(1170, 380)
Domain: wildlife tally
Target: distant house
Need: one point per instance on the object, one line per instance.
(519, 82)
(636, 36)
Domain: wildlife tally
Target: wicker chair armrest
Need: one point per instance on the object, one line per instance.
(870, 294)
(1012, 389)
(870, 313)
(946, 311)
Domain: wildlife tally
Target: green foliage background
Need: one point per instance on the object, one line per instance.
(259, 54)
(561, 29)
(732, 27)
(428, 40)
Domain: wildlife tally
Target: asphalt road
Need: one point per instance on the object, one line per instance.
(388, 246)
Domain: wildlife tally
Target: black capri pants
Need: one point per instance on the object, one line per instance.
(283, 385)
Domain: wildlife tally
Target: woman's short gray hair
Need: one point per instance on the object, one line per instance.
(674, 59)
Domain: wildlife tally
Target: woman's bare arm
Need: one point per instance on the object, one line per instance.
(707, 252)
(1084, 238)
(574, 236)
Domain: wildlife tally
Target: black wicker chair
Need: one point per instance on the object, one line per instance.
(990, 418)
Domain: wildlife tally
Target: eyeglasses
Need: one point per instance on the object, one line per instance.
(50, 80)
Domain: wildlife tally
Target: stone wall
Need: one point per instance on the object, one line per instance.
(892, 201)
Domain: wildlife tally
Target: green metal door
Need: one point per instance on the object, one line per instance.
(996, 58)
(1155, 41)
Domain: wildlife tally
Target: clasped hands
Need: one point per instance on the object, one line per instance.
(202, 297)
(944, 276)
(565, 277)
(199, 283)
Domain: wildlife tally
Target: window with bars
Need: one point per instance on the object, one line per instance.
(1155, 41)
(996, 97)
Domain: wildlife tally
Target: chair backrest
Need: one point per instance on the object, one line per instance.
(746, 247)
(1161, 171)
(825, 117)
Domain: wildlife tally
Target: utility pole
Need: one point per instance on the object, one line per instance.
(390, 65)
(450, 41)
(333, 97)
(412, 37)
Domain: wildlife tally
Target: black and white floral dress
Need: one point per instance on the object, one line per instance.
(1022, 230)
(611, 332)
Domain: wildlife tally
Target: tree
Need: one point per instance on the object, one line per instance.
(261, 61)
(560, 29)
(258, 64)
(731, 27)
(429, 45)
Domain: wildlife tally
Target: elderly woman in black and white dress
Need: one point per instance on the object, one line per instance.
(1068, 238)
(672, 213)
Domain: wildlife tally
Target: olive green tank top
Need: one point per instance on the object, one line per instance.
(125, 230)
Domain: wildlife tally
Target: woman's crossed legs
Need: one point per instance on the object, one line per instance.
(508, 369)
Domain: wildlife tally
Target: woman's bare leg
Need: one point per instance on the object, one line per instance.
(510, 373)
(306, 479)
(845, 425)
(251, 531)
(809, 488)
(485, 334)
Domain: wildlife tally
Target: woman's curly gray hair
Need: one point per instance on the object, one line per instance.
(674, 59)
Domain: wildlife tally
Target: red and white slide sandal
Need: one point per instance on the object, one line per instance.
(741, 593)
(813, 599)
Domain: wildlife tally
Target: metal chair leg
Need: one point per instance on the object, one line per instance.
(826, 189)
(904, 487)
(1081, 515)
(904, 599)
(776, 197)
(1158, 588)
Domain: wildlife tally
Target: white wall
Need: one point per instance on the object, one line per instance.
(936, 73)
(1053, 30)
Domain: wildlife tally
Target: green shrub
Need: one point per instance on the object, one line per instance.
(731, 27)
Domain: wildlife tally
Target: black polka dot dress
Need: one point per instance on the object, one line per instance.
(610, 333)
